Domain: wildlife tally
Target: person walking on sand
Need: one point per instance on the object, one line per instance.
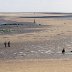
(5, 44)
(34, 21)
(63, 51)
(9, 44)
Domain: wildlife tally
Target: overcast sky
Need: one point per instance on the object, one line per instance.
(35, 5)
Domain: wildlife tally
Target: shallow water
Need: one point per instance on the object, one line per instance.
(67, 17)
(25, 27)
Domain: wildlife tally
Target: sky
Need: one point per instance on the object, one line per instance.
(35, 5)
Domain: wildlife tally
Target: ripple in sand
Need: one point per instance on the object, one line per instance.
(70, 42)
(20, 54)
(34, 46)
(39, 46)
(59, 52)
(48, 52)
(68, 53)
(14, 53)
(2, 52)
(41, 51)
(33, 51)
(68, 45)
(45, 51)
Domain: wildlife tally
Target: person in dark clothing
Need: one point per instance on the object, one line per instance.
(9, 44)
(63, 51)
(5, 44)
(34, 21)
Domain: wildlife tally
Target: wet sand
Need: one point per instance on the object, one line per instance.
(40, 42)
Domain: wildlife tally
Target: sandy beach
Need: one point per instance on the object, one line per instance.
(36, 66)
(35, 47)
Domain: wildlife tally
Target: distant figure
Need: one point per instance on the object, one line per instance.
(63, 51)
(9, 44)
(34, 21)
(5, 44)
(71, 51)
(39, 24)
(64, 23)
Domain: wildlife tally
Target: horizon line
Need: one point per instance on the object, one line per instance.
(32, 12)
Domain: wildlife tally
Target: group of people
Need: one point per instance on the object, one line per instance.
(7, 44)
